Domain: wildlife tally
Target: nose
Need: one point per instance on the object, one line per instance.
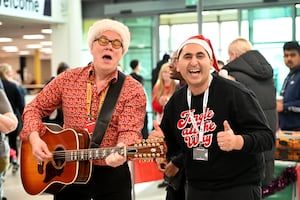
(194, 61)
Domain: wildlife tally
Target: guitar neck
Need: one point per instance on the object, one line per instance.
(132, 152)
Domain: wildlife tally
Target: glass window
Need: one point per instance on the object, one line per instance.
(268, 30)
(178, 36)
(229, 31)
(297, 22)
(274, 54)
(164, 39)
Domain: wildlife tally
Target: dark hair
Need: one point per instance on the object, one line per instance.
(134, 64)
(220, 62)
(62, 67)
(292, 45)
(166, 57)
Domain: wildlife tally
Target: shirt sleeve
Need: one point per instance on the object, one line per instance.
(5, 105)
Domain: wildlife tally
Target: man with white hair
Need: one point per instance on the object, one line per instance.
(250, 67)
(81, 93)
(218, 126)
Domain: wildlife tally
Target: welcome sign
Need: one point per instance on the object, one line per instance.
(46, 10)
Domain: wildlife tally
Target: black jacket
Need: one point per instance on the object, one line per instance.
(254, 71)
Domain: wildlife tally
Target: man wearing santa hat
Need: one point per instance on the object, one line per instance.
(81, 93)
(219, 127)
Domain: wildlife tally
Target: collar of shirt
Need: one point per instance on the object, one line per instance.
(111, 79)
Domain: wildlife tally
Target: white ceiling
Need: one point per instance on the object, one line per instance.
(15, 28)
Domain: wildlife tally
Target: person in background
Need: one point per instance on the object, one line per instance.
(108, 41)
(174, 74)
(8, 123)
(289, 108)
(250, 68)
(162, 91)
(136, 67)
(57, 117)
(156, 70)
(62, 66)
(220, 64)
(16, 96)
(167, 166)
(218, 126)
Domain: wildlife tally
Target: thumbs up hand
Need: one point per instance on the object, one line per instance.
(227, 140)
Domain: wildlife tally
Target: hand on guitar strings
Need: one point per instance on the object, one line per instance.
(115, 159)
(39, 148)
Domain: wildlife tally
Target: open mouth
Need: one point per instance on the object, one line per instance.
(107, 57)
(194, 71)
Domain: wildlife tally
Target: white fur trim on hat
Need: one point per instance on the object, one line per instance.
(111, 25)
(203, 43)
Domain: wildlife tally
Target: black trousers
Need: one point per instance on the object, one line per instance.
(244, 192)
(106, 183)
(178, 194)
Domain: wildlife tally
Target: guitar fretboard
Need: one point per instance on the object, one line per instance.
(98, 153)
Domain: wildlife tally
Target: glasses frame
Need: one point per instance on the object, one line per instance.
(103, 41)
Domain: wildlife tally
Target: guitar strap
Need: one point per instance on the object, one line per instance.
(106, 111)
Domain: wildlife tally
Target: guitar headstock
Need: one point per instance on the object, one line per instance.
(147, 149)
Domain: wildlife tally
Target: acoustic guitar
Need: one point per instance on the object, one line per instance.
(72, 160)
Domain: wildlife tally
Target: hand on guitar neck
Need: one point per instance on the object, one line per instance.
(115, 159)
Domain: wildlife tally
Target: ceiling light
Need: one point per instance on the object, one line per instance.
(5, 39)
(46, 50)
(46, 31)
(0, 23)
(33, 37)
(23, 53)
(10, 48)
(46, 43)
(33, 46)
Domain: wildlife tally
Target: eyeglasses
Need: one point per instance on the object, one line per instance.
(103, 41)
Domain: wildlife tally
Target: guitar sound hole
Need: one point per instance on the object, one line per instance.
(59, 158)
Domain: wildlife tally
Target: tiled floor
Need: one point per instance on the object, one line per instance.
(13, 190)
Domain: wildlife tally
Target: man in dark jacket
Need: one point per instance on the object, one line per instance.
(253, 70)
(289, 109)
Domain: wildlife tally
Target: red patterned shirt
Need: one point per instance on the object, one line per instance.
(69, 90)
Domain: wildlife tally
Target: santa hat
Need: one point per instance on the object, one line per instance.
(205, 43)
(109, 25)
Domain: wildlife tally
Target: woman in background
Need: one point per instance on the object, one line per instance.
(162, 91)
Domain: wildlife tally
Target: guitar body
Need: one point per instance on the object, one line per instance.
(52, 175)
(72, 159)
